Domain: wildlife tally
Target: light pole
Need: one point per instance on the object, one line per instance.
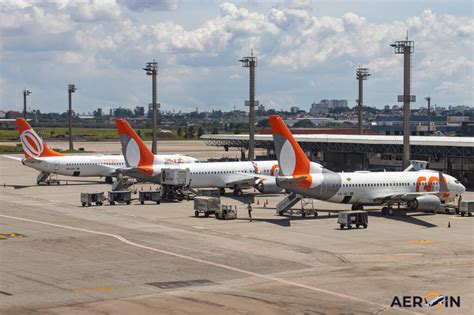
(406, 47)
(361, 75)
(251, 63)
(151, 68)
(428, 98)
(71, 89)
(25, 94)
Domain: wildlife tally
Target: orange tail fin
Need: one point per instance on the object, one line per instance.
(135, 152)
(292, 159)
(33, 145)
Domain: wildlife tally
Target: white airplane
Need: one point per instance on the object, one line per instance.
(234, 175)
(40, 157)
(420, 190)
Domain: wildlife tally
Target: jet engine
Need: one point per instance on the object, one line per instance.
(268, 186)
(425, 203)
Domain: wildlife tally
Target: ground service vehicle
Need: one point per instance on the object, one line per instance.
(466, 207)
(348, 218)
(226, 212)
(207, 205)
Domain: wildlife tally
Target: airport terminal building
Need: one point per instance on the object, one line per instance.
(453, 155)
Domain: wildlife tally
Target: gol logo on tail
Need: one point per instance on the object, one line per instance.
(31, 143)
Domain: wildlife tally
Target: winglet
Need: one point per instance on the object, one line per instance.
(292, 159)
(33, 146)
(135, 152)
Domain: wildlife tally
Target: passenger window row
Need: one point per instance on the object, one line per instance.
(82, 164)
(220, 172)
(384, 184)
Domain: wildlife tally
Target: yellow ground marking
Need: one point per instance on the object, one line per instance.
(421, 241)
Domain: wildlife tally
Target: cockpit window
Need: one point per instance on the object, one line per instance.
(457, 182)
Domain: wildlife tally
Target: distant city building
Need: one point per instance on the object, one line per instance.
(387, 107)
(12, 114)
(294, 109)
(324, 106)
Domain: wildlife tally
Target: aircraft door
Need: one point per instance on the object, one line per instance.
(56, 166)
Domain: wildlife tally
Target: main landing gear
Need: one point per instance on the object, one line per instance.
(357, 206)
(109, 180)
(388, 211)
(238, 192)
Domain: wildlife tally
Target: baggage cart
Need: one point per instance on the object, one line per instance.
(123, 196)
(348, 218)
(207, 205)
(90, 198)
(211, 192)
(151, 195)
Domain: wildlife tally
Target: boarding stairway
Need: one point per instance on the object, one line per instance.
(286, 203)
(42, 177)
(122, 183)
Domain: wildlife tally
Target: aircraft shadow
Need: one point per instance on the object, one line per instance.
(281, 222)
(333, 214)
(404, 217)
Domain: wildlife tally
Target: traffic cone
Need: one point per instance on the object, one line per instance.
(449, 224)
(264, 204)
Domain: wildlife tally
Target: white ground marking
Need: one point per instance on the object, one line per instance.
(207, 262)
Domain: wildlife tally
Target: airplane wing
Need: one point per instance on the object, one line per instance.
(242, 179)
(248, 179)
(135, 171)
(112, 169)
(13, 157)
(404, 197)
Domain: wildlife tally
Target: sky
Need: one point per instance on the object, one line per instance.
(306, 51)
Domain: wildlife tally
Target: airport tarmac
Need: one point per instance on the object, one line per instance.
(58, 257)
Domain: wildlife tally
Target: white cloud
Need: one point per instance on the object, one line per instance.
(98, 38)
(93, 10)
(142, 5)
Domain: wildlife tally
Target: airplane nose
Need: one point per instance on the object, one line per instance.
(463, 188)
